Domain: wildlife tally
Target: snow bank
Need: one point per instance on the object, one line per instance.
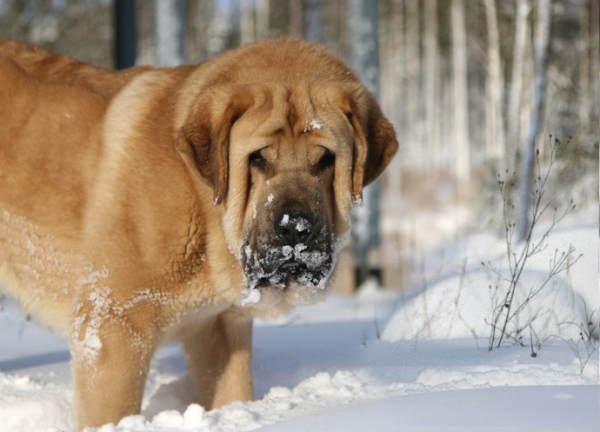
(460, 304)
(29, 405)
(328, 392)
(461, 307)
(530, 409)
(301, 370)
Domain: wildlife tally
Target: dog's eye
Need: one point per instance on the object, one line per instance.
(257, 161)
(326, 161)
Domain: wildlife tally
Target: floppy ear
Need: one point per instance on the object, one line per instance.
(203, 140)
(375, 142)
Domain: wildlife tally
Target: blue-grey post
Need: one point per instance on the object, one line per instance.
(363, 43)
(125, 34)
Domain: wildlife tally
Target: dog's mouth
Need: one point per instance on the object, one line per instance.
(282, 267)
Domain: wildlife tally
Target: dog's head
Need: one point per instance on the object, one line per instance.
(287, 150)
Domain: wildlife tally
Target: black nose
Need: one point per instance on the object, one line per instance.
(294, 226)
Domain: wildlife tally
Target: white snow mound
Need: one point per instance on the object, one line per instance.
(460, 305)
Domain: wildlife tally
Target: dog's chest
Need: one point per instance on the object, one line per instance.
(37, 268)
(187, 321)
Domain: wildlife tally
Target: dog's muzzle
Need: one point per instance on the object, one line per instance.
(300, 252)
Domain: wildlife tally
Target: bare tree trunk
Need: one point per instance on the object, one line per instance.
(461, 109)
(412, 83)
(431, 137)
(525, 182)
(364, 58)
(261, 19)
(313, 15)
(296, 28)
(585, 97)
(595, 57)
(387, 60)
(399, 56)
(391, 64)
(391, 49)
(495, 87)
(279, 17)
(247, 22)
(169, 32)
(335, 25)
(516, 87)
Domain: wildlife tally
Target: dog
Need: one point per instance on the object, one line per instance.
(151, 205)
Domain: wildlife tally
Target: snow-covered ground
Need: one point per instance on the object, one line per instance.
(372, 362)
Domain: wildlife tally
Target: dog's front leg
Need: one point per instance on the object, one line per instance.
(218, 354)
(111, 354)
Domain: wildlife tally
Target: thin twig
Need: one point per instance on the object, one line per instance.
(506, 312)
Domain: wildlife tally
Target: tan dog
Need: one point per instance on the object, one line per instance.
(151, 205)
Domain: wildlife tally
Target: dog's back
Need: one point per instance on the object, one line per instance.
(52, 121)
(50, 116)
(47, 67)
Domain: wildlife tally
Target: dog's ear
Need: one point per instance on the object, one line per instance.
(203, 140)
(375, 140)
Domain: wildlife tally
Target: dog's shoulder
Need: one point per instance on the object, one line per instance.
(43, 66)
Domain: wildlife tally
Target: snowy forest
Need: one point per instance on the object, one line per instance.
(457, 78)
(495, 104)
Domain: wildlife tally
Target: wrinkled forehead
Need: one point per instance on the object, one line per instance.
(295, 120)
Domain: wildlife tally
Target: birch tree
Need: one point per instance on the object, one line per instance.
(247, 22)
(430, 87)
(494, 86)
(595, 57)
(254, 20)
(364, 58)
(412, 132)
(392, 77)
(313, 15)
(391, 24)
(261, 13)
(516, 86)
(169, 32)
(296, 19)
(525, 181)
(459, 69)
